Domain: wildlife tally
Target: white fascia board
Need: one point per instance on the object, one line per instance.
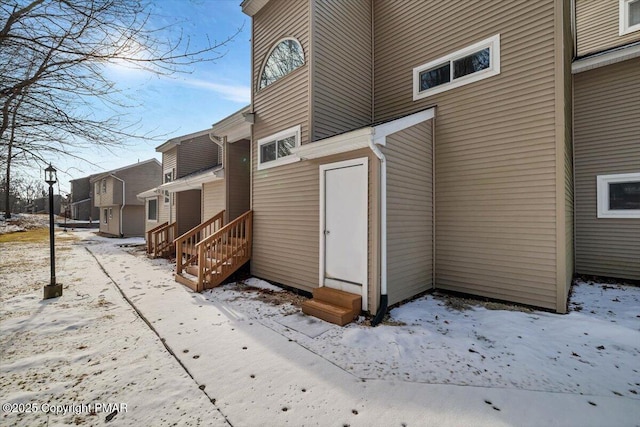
(381, 132)
(193, 182)
(597, 61)
(154, 192)
(235, 127)
(342, 143)
(251, 7)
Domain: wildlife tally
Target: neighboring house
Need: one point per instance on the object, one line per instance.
(121, 213)
(607, 138)
(82, 206)
(203, 174)
(41, 205)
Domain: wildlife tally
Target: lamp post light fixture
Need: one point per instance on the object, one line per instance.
(52, 290)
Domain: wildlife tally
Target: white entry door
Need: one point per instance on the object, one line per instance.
(343, 226)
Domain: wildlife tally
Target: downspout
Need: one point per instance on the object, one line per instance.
(384, 300)
(124, 202)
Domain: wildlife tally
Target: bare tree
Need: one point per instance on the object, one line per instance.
(54, 94)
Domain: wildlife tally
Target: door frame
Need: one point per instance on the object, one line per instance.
(364, 161)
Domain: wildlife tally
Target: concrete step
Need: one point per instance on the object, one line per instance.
(328, 312)
(338, 298)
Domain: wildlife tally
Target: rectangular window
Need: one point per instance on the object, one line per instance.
(471, 64)
(168, 177)
(619, 195)
(104, 185)
(629, 11)
(152, 210)
(275, 150)
(97, 187)
(110, 213)
(105, 216)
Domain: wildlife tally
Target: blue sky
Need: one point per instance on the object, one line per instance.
(182, 103)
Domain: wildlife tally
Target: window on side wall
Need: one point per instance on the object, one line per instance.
(629, 11)
(105, 216)
(110, 213)
(97, 188)
(275, 150)
(168, 177)
(286, 56)
(471, 64)
(619, 195)
(152, 210)
(104, 185)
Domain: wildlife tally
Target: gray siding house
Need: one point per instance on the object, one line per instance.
(121, 213)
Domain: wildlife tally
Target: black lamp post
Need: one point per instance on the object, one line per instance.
(52, 290)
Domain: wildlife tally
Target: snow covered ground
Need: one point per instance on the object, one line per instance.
(252, 359)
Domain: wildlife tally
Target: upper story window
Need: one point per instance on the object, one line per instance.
(629, 16)
(275, 150)
(468, 65)
(168, 177)
(619, 195)
(285, 57)
(104, 185)
(97, 187)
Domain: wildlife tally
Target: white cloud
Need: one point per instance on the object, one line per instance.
(235, 93)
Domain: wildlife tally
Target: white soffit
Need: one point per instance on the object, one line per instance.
(360, 138)
(149, 193)
(608, 58)
(193, 182)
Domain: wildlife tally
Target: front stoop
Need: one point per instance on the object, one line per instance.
(333, 305)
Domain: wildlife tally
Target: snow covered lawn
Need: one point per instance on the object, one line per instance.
(256, 361)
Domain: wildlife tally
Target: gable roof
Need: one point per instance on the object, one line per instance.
(96, 177)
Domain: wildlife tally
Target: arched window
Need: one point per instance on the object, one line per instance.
(285, 57)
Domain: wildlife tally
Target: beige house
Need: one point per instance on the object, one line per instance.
(204, 185)
(607, 138)
(404, 146)
(114, 194)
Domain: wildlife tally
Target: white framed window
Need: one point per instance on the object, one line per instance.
(110, 213)
(285, 56)
(471, 64)
(629, 11)
(96, 187)
(105, 216)
(619, 195)
(168, 177)
(152, 210)
(104, 185)
(275, 150)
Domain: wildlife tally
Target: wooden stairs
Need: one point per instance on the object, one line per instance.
(205, 260)
(160, 240)
(333, 305)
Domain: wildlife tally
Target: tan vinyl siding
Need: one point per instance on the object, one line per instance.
(607, 141)
(188, 210)
(149, 224)
(213, 198)
(196, 154)
(286, 220)
(597, 26)
(495, 141)
(237, 171)
(285, 103)
(133, 220)
(567, 136)
(409, 211)
(341, 69)
(113, 224)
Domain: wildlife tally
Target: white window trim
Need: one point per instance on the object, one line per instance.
(291, 158)
(603, 182)
(266, 58)
(493, 43)
(157, 205)
(624, 18)
(105, 213)
(166, 193)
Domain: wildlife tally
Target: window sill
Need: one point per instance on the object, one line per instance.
(280, 162)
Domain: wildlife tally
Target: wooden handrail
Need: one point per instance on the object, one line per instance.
(150, 235)
(160, 239)
(185, 245)
(223, 252)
